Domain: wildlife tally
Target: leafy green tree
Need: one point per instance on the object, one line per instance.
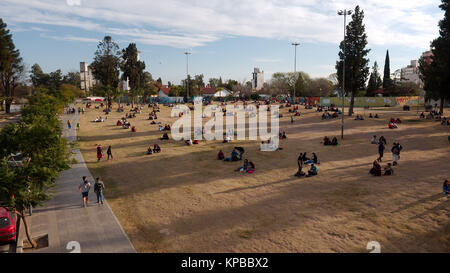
(38, 138)
(374, 81)
(436, 75)
(176, 91)
(11, 66)
(356, 63)
(72, 78)
(105, 67)
(133, 71)
(387, 81)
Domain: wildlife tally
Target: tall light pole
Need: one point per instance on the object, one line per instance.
(345, 13)
(295, 67)
(187, 73)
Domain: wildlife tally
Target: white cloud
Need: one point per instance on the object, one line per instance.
(411, 23)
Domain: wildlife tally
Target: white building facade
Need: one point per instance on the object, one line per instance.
(257, 79)
(87, 78)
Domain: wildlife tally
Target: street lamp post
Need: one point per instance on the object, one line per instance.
(295, 67)
(345, 13)
(187, 73)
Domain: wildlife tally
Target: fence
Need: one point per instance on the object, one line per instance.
(373, 101)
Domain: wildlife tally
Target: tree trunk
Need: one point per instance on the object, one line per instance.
(7, 107)
(27, 230)
(352, 102)
(441, 107)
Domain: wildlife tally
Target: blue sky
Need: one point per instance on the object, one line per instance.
(226, 38)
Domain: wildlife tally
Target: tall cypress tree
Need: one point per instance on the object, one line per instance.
(374, 81)
(436, 76)
(356, 63)
(387, 82)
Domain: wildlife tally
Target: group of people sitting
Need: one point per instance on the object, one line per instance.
(377, 171)
(327, 115)
(165, 128)
(393, 123)
(189, 142)
(124, 123)
(371, 116)
(359, 117)
(327, 141)
(130, 115)
(282, 135)
(152, 116)
(98, 119)
(156, 149)
(303, 159)
(248, 167)
(235, 155)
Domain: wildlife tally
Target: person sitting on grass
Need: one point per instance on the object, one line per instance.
(156, 148)
(422, 115)
(374, 140)
(370, 115)
(388, 170)
(188, 142)
(304, 158)
(244, 167)
(282, 135)
(334, 141)
(313, 171)
(241, 151)
(233, 157)
(376, 169)
(326, 141)
(250, 167)
(220, 155)
(133, 129)
(313, 160)
(376, 116)
(149, 150)
(165, 136)
(446, 188)
(119, 123)
(398, 121)
(195, 141)
(392, 125)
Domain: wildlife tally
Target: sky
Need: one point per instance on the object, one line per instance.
(227, 38)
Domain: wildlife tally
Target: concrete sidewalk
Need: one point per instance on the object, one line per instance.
(95, 228)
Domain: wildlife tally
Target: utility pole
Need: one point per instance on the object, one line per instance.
(295, 67)
(187, 73)
(345, 13)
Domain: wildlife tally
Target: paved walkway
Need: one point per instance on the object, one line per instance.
(95, 228)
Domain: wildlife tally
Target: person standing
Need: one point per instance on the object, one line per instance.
(99, 152)
(109, 152)
(380, 151)
(396, 152)
(68, 124)
(98, 189)
(84, 188)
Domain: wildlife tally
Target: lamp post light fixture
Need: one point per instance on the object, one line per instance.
(187, 73)
(295, 67)
(345, 13)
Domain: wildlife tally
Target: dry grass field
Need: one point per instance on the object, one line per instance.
(184, 200)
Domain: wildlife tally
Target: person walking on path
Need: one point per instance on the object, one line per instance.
(84, 188)
(68, 124)
(396, 152)
(109, 152)
(99, 152)
(380, 151)
(98, 189)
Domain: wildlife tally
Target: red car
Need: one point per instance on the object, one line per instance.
(7, 225)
